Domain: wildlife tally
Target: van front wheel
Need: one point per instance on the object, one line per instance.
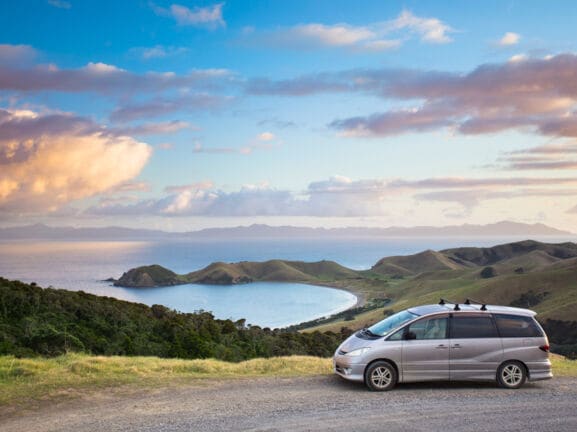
(380, 376)
(511, 375)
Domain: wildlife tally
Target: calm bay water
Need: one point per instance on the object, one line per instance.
(83, 266)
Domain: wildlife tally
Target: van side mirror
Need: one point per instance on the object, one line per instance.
(410, 336)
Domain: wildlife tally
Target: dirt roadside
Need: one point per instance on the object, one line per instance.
(323, 403)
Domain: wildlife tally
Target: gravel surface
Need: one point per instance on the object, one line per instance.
(324, 403)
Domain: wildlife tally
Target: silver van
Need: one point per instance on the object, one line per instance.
(447, 341)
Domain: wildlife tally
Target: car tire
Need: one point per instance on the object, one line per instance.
(380, 376)
(511, 375)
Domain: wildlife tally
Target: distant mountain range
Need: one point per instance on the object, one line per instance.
(499, 229)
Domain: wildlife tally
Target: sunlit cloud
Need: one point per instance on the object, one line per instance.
(48, 161)
(266, 136)
(509, 39)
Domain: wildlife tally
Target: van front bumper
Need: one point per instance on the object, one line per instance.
(346, 368)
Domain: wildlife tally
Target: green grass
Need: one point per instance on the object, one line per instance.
(563, 367)
(26, 380)
(22, 380)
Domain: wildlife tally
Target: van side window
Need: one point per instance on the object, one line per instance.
(517, 326)
(465, 327)
(432, 328)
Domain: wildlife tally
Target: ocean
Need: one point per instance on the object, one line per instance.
(80, 265)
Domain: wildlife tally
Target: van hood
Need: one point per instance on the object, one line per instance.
(354, 342)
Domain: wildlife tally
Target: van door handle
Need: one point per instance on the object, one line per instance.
(442, 346)
(457, 346)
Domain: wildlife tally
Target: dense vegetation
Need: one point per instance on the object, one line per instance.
(49, 322)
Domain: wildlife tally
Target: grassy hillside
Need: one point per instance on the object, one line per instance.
(22, 380)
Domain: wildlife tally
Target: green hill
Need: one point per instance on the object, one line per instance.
(501, 253)
(426, 261)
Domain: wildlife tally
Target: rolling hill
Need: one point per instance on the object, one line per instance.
(220, 273)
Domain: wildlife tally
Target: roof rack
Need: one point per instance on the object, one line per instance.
(443, 302)
(471, 302)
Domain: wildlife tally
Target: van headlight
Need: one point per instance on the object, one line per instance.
(357, 352)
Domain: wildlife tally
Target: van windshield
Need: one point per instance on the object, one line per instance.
(390, 323)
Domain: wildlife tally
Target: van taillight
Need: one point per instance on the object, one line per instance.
(544, 348)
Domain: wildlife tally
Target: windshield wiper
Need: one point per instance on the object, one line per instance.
(370, 333)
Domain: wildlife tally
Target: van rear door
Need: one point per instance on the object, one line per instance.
(475, 347)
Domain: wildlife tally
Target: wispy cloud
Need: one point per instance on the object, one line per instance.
(159, 52)
(264, 140)
(430, 30)
(378, 36)
(316, 35)
(210, 16)
(60, 4)
(160, 128)
(551, 156)
(100, 77)
(167, 105)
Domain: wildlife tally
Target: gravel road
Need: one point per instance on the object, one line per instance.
(324, 403)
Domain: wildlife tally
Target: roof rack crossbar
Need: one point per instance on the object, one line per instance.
(471, 302)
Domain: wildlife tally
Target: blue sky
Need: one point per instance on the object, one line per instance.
(184, 115)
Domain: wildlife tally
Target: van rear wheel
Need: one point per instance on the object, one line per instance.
(381, 376)
(511, 375)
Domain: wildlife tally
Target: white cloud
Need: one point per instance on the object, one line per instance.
(430, 30)
(517, 58)
(210, 16)
(102, 68)
(314, 35)
(509, 39)
(376, 36)
(159, 51)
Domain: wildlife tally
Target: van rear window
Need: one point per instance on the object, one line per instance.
(517, 326)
